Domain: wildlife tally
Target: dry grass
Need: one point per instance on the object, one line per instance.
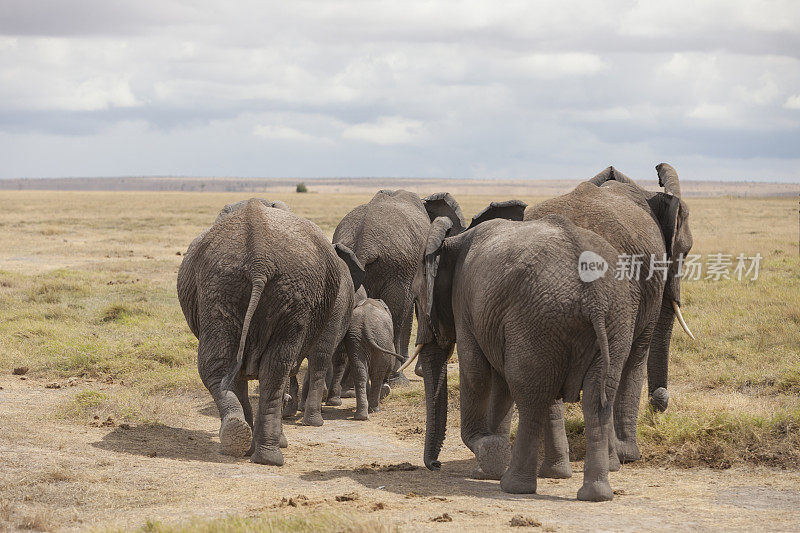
(274, 523)
(87, 288)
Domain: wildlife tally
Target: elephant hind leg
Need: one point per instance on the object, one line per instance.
(273, 377)
(534, 377)
(555, 460)
(598, 419)
(484, 433)
(292, 398)
(626, 405)
(215, 355)
(520, 478)
(242, 394)
(339, 365)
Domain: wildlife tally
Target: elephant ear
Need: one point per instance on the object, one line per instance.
(353, 264)
(433, 249)
(442, 204)
(666, 209)
(610, 174)
(509, 210)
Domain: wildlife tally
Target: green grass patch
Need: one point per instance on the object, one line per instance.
(121, 312)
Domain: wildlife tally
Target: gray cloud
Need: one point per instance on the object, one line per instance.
(522, 89)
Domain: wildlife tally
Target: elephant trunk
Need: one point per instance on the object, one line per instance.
(658, 359)
(434, 370)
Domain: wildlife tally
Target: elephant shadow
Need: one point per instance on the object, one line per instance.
(155, 440)
(342, 412)
(419, 482)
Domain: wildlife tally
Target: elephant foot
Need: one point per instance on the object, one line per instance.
(312, 419)
(385, 390)
(268, 455)
(514, 483)
(348, 393)
(478, 473)
(493, 453)
(596, 491)
(628, 451)
(418, 369)
(557, 470)
(659, 399)
(289, 408)
(376, 409)
(360, 415)
(334, 401)
(398, 380)
(282, 442)
(613, 462)
(235, 436)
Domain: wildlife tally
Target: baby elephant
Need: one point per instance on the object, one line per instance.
(369, 347)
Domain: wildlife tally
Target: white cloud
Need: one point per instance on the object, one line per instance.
(284, 133)
(444, 87)
(715, 112)
(387, 131)
(793, 102)
(557, 65)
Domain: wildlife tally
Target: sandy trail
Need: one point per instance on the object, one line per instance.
(57, 474)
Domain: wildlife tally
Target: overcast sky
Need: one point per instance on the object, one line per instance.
(371, 88)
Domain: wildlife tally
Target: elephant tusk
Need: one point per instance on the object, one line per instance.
(677, 309)
(411, 359)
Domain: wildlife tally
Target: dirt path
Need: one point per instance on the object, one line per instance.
(57, 474)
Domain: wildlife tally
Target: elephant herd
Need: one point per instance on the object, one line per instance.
(263, 290)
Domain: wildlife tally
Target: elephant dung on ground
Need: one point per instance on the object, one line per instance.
(260, 288)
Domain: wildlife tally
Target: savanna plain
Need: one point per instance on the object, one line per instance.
(110, 428)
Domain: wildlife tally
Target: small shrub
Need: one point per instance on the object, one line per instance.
(301, 187)
(118, 312)
(83, 405)
(89, 399)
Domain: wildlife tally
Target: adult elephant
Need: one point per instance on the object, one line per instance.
(259, 289)
(641, 225)
(529, 329)
(387, 235)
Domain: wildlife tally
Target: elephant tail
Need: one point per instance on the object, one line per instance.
(255, 297)
(384, 350)
(599, 325)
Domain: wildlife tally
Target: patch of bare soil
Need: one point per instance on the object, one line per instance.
(56, 474)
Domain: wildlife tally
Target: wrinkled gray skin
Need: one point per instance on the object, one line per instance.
(258, 289)
(388, 235)
(367, 346)
(370, 350)
(634, 221)
(529, 331)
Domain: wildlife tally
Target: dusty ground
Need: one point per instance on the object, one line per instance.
(56, 474)
(87, 287)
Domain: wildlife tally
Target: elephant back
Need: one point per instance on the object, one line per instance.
(390, 228)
